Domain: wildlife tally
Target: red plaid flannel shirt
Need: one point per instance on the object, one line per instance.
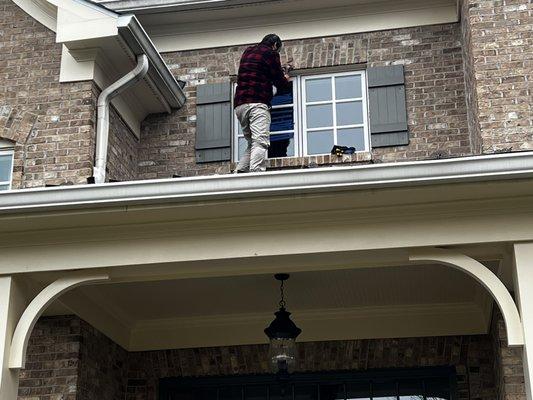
(259, 70)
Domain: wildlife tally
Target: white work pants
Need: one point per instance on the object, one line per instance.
(255, 122)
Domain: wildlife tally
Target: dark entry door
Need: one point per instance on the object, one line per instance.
(413, 384)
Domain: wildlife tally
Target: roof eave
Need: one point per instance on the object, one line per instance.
(132, 32)
(467, 169)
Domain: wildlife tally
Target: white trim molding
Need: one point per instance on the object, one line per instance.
(19, 343)
(487, 278)
(420, 320)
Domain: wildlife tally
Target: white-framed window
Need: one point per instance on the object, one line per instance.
(6, 164)
(323, 110)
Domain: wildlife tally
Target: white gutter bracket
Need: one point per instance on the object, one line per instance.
(102, 122)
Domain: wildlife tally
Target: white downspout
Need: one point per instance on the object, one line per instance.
(102, 122)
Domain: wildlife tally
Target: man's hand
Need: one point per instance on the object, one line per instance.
(287, 67)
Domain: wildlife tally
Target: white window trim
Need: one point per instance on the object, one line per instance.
(299, 106)
(6, 148)
(363, 99)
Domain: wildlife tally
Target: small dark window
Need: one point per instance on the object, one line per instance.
(436, 383)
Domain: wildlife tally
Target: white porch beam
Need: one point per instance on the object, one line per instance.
(523, 280)
(487, 278)
(19, 343)
(12, 303)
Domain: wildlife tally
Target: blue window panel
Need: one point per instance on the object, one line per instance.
(282, 119)
(281, 136)
(282, 99)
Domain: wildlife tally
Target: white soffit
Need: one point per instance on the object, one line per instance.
(403, 301)
(195, 29)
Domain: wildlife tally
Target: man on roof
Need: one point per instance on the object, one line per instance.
(260, 70)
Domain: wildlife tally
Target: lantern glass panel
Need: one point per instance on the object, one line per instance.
(282, 354)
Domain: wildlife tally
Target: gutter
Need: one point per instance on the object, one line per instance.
(163, 6)
(320, 180)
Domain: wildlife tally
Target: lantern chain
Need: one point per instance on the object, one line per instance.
(282, 301)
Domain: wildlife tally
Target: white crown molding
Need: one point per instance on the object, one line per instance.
(317, 325)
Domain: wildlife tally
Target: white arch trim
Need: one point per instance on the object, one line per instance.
(513, 323)
(19, 343)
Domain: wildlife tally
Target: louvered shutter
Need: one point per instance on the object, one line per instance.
(387, 109)
(213, 122)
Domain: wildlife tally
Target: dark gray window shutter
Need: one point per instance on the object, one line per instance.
(213, 122)
(386, 104)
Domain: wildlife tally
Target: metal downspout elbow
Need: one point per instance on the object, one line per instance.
(102, 121)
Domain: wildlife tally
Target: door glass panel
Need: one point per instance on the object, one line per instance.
(437, 388)
(349, 113)
(255, 392)
(358, 391)
(411, 389)
(332, 392)
(348, 87)
(183, 394)
(319, 116)
(4, 187)
(5, 167)
(230, 393)
(205, 394)
(319, 142)
(280, 392)
(306, 392)
(384, 390)
(351, 137)
(318, 89)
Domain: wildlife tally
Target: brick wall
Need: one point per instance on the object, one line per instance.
(67, 359)
(470, 79)
(499, 71)
(52, 360)
(102, 367)
(509, 372)
(123, 150)
(434, 85)
(52, 124)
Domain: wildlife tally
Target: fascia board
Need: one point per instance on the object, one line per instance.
(139, 42)
(320, 180)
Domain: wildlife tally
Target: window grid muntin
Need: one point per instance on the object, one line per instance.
(11, 153)
(299, 105)
(334, 102)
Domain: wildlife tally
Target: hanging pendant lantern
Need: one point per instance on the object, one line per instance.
(282, 333)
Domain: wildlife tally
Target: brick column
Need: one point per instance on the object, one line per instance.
(497, 57)
(508, 368)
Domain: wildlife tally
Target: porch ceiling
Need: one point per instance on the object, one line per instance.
(328, 305)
